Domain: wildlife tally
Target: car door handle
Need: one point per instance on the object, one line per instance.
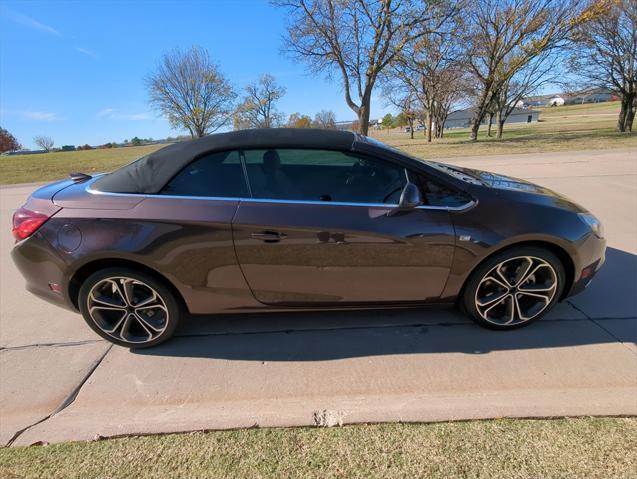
(269, 236)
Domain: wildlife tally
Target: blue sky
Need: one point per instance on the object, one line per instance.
(74, 70)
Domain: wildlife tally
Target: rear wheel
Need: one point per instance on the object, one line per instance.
(129, 308)
(514, 288)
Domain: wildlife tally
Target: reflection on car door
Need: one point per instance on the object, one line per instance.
(301, 250)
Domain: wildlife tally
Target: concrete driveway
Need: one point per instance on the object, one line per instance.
(60, 382)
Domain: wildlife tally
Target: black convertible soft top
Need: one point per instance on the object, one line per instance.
(150, 173)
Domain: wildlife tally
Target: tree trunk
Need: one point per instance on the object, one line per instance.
(200, 131)
(621, 121)
(480, 110)
(475, 126)
(439, 127)
(429, 123)
(443, 120)
(411, 129)
(490, 123)
(363, 120)
(630, 114)
(363, 114)
(500, 125)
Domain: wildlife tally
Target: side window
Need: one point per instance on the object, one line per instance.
(437, 194)
(323, 175)
(217, 174)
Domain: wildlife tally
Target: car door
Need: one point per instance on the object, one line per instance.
(191, 241)
(319, 230)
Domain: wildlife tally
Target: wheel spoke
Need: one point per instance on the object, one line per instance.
(146, 324)
(143, 324)
(506, 281)
(490, 301)
(107, 302)
(107, 308)
(545, 298)
(152, 299)
(152, 306)
(125, 326)
(502, 300)
(511, 309)
(502, 282)
(118, 323)
(119, 290)
(536, 289)
(523, 276)
(517, 305)
(127, 286)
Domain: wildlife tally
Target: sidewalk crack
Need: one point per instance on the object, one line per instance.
(51, 345)
(601, 326)
(68, 400)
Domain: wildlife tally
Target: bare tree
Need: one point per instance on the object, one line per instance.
(405, 101)
(296, 120)
(44, 142)
(8, 141)
(356, 40)
(544, 69)
(325, 119)
(429, 71)
(503, 36)
(606, 54)
(258, 109)
(189, 89)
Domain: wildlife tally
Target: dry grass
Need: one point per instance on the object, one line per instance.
(54, 166)
(564, 448)
(575, 127)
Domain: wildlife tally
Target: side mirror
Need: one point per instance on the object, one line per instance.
(410, 197)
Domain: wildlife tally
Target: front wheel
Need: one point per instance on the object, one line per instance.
(128, 308)
(514, 288)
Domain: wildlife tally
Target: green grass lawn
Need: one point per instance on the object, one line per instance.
(562, 448)
(578, 127)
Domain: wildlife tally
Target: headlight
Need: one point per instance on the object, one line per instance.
(594, 224)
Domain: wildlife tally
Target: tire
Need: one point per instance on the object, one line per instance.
(514, 288)
(129, 308)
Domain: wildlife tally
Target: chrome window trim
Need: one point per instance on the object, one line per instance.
(293, 202)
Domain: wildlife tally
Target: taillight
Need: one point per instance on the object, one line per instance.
(26, 222)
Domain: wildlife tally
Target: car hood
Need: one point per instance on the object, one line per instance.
(503, 182)
(518, 187)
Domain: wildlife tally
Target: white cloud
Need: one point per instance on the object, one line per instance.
(31, 23)
(138, 116)
(41, 116)
(105, 112)
(86, 51)
(112, 114)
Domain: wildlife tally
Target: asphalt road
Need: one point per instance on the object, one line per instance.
(59, 381)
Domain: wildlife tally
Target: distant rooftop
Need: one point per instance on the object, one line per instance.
(468, 113)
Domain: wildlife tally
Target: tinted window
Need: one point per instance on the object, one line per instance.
(217, 174)
(323, 175)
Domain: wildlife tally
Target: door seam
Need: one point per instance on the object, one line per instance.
(236, 254)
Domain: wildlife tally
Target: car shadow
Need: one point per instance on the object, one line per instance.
(318, 336)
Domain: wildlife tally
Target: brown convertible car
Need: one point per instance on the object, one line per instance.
(282, 219)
